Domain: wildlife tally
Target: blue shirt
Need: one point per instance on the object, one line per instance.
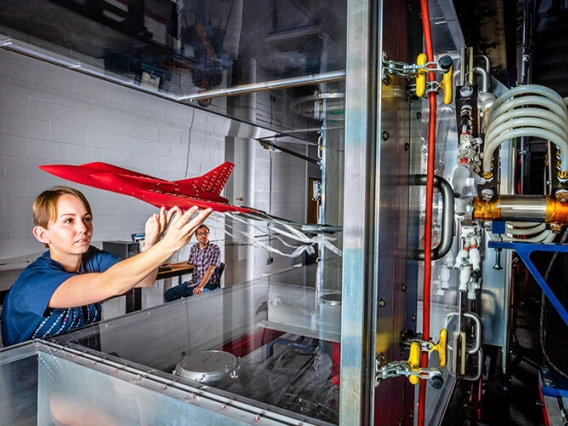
(25, 314)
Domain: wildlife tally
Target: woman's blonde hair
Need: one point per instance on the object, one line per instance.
(44, 209)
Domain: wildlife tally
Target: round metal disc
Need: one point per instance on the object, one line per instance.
(331, 299)
(206, 366)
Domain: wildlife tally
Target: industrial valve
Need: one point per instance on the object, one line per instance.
(419, 71)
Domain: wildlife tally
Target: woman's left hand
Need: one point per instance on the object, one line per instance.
(155, 227)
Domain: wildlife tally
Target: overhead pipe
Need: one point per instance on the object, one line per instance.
(284, 83)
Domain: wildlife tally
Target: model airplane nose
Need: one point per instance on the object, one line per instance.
(60, 170)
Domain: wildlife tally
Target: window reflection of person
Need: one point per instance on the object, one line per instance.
(207, 42)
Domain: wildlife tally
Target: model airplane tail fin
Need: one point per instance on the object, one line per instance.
(213, 181)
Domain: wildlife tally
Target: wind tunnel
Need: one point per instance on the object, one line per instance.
(410, 134)
(330, 343)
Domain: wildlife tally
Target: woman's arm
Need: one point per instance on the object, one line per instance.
(83, 289)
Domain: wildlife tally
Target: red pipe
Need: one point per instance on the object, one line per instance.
(429, 203)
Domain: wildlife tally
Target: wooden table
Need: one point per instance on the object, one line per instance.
(178, 269)
(134, 297)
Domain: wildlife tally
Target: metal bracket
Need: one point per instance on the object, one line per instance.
(524, 250)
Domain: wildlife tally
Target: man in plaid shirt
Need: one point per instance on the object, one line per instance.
(205, 258)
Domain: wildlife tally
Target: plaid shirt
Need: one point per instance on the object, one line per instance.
(202, 260)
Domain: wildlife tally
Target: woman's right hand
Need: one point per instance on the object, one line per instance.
(181, 228)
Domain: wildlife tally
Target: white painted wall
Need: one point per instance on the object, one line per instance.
(51, 115)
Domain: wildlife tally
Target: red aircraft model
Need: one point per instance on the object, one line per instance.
(202, 191)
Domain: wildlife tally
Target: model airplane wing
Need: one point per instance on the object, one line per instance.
(202, 191)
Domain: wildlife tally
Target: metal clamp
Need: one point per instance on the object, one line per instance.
(403, 368)
(440, 347)
(419, 71)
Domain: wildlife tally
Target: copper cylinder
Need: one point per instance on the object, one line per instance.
(521, 207)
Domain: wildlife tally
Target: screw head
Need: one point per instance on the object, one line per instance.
(382, 303)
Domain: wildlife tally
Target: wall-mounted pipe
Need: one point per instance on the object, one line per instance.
(485, 81)
(486, 60)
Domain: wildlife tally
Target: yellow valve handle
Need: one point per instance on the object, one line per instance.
(442, 345)
(414, 360)
(447, 85)
(421, 75)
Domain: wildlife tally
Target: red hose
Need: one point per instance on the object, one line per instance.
(429, 203)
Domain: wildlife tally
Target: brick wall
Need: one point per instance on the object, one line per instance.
(51, 115)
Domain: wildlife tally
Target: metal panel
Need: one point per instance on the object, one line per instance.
(70, 384)
(357, 335)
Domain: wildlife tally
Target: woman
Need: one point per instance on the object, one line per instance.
(61, 290)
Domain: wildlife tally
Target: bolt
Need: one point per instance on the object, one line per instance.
(385, 135)
(413, 317)
(382, 303)
(406, 146)
(418, 115)
(403, 287)
(548, 381)
(497, 265)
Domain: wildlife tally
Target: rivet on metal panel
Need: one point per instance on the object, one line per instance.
(385, 135)
(413, 317)
(382, 303)
(418, 115)
(406, 146)
(400, 423)
(403, 287)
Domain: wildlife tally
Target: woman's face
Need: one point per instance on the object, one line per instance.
(72, 229)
